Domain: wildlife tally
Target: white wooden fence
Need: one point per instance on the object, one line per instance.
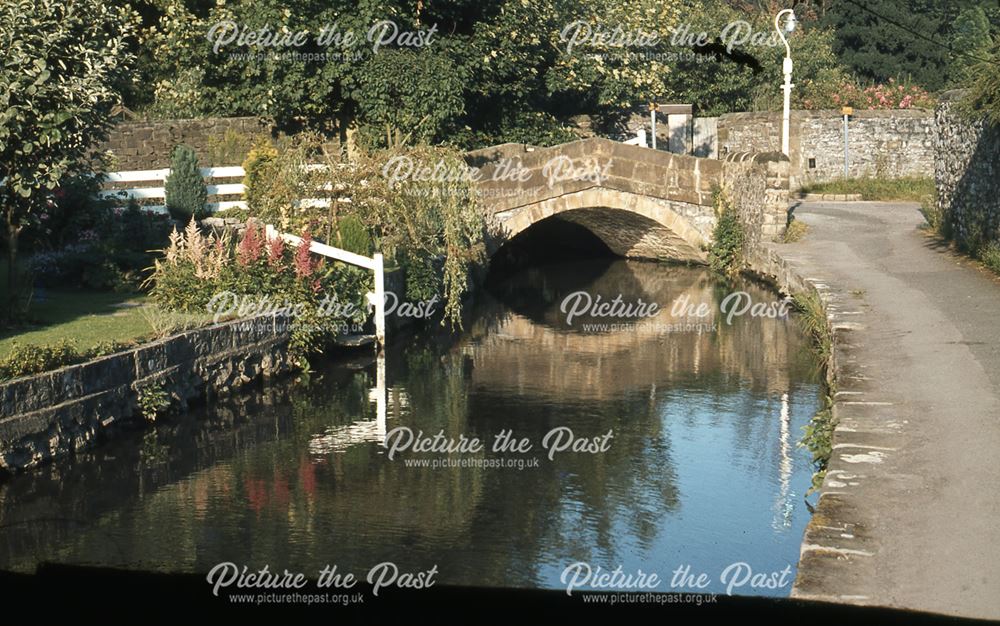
(375, 264)
(147, 188)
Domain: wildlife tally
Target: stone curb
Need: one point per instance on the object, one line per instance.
(830, 197)
(835, 560)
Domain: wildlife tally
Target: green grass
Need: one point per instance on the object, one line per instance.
(909, 189)
(795, 232)
(86, 319)
(812, 319)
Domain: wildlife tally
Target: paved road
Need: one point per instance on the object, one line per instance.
(931, 347)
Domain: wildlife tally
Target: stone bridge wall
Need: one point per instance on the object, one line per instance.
(520, 185)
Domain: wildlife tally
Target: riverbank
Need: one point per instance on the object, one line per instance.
(903, 519)
(50, 415)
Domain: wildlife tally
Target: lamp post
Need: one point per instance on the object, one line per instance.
(653, 108)
(786, 69)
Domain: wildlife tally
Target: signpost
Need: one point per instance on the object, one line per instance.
(848, 112)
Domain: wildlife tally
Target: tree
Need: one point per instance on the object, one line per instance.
(983, 97)
(970, 41)
(185, 188)
(733, 72)
(883, 39)
(490, 71)
(417, 93)
(57, 89)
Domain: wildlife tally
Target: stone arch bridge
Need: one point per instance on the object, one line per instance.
(641, 203)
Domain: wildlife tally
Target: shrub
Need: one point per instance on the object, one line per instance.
(111, 250)
(152, 400)
(184, 278)
(24, 360)
(818, 439)
(229, 149)
(185, 188)
(432, 227)
(989, 254)
(257, 166)
(354, 236)
(195, 268)
(892, 95)
(726, 254)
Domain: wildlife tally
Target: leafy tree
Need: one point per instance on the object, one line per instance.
(485, 66)
(970, 40)
(718, 78)
(528, 79)
(57, 89)
(418, 93)
(877, 42)
(983, 97)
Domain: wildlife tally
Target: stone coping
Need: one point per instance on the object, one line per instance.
(836, 543)
(831, 197)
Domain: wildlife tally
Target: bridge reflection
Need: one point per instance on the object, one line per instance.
(294, 475)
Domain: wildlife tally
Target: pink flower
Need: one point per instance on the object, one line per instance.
(303, 263)
(250, 246)
(275, 251)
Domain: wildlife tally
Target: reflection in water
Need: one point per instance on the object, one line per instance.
(702, 468)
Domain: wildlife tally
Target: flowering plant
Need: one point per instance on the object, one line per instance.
(195, 267)
(891, 95)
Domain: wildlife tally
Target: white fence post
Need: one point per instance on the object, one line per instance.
(375, 264)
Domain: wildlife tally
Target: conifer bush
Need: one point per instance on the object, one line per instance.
(185, 188)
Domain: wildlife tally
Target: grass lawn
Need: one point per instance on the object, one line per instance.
(87, 319)
(910, 189)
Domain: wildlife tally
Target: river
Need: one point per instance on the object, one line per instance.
(691, 424)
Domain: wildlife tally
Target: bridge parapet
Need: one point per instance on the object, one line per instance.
(515, 175)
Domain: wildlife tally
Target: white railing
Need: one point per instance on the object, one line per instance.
(375, 264)
(364, 431)
(149, 185)
(638, 140)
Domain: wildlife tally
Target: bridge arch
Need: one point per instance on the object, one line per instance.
(631, 225)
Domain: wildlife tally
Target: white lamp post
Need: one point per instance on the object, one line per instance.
(786, 69)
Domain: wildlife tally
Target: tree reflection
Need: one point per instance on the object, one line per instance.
(294, 475)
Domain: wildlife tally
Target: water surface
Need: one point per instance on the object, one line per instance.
(702, 469)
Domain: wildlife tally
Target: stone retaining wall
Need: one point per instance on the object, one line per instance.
(882, 143)
(52, 414)
(142, 145)
(757, 184)
(967, 175)
(837, 535)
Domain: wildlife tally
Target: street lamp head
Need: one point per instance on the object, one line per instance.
(791, 22)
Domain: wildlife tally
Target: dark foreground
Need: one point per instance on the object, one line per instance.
(115, 595)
